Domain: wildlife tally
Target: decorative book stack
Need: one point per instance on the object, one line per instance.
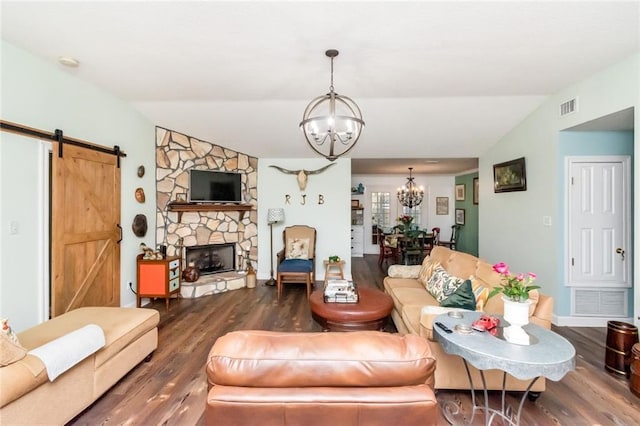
(340, 291)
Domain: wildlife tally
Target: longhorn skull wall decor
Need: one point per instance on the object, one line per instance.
(302, 175)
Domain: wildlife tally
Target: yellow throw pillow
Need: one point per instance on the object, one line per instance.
(480, 291)
(426, 269)
(10, 351)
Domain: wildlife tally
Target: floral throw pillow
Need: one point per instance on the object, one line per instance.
(442, 285)
(297, 248)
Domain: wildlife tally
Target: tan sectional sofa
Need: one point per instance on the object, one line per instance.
(27, 396)
(409, 314)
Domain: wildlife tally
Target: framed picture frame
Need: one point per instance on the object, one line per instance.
(510, 176)
(460, 192)
(459, 216)
(355, 204)
(442, 205)
(476, 191)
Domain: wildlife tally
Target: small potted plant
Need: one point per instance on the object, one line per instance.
(515, 287)
(515, 294)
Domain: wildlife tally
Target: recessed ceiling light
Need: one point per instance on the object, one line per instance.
(68, 61)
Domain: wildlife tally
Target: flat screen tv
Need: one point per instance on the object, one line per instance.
(206, 186)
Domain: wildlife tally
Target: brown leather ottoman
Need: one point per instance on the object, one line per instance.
(370, 313)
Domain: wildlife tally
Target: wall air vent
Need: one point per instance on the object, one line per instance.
(600, 302)
(569, 107)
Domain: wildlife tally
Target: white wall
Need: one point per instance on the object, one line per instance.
(511, 224)
(42, 95)
(434, 186)
(332, 219)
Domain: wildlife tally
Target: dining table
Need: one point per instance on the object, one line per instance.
(412, 244)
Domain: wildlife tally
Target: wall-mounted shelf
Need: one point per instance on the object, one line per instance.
(208, 207)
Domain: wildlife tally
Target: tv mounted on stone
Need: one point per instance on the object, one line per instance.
(207, 186)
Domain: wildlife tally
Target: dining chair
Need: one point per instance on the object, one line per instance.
(388, 248)
(454, 238)
(413, 247)
(431, 241)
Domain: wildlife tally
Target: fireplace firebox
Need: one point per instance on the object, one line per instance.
(212, 258)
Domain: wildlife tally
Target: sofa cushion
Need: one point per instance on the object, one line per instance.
(461, 264)
(391, 283)
(410, 315)
(463, 298)
(405, 296)
(121, 326)
(20, 378)
(441, 284)
(255, 358)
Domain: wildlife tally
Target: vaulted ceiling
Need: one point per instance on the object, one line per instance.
(435, 80)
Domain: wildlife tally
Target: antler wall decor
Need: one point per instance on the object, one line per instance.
(302, 175)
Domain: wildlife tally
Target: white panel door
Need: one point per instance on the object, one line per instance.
(598, 224)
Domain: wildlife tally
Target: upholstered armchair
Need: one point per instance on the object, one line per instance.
(296, 261)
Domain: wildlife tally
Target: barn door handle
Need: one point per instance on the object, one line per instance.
(620, 252)
(120, 229)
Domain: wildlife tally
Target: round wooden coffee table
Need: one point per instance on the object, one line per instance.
(370, 313)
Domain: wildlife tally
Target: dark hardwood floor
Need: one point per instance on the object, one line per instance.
(171, 388)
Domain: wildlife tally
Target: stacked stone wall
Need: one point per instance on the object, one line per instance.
(176, 154)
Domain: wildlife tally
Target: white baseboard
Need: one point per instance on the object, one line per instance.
(571, 321)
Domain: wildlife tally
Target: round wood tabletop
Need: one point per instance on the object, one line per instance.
(371, 312)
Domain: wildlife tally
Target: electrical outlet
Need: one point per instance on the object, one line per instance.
(546, 220)
(14, 227)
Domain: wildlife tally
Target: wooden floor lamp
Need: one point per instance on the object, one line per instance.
(273, 216)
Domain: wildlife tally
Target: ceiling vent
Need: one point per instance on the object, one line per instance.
(569, 107)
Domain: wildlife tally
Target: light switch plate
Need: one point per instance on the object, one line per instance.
(546, 220)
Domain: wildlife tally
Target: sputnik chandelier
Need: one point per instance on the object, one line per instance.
(332, 123)
(410, 195)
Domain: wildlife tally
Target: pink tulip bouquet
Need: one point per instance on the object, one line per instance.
(514, 287)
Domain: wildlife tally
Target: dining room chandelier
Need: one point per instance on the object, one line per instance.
(409, 194)
(331, 123)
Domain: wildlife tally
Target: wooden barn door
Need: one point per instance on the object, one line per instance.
(85, 229)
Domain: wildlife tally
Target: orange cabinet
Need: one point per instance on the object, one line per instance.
(158, 278)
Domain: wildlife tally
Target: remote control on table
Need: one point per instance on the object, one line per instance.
(444, 327)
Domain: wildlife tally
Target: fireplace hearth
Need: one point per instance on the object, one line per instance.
(212, 258)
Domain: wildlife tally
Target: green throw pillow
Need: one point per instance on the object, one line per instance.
(463, 298)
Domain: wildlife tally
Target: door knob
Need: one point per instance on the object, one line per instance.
(620, 252)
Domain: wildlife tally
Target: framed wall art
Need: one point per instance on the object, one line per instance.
(476, 191)
(459, 216)
(510, 176)
(460, 192)
(442, 205)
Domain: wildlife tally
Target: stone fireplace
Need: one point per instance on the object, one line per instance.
(231, 230)
(212, 258)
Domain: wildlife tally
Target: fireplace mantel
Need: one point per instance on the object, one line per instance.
(208, 207)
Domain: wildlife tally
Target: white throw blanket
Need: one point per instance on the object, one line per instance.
(61, 354)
